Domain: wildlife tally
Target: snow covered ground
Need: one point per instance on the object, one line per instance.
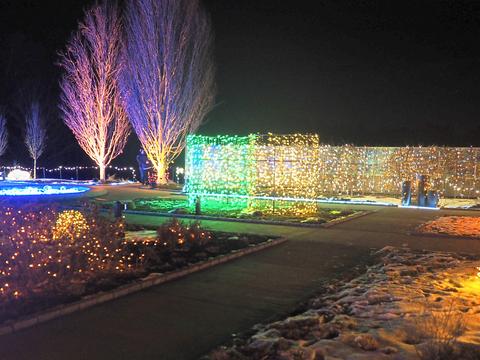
(447, 203)
(465, 226)
(459, 203)
(411, 305)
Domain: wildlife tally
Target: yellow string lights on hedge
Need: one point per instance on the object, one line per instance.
(260, 168)
(245, 169)
(70, 224)
(43, 250)
(40, 244)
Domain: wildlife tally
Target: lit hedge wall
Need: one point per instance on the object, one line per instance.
(298, 166)
(254, 165)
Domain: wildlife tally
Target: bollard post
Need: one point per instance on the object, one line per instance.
(432, 199)
(198, 206)
(421, 184)
(406, 193)
(118, 210)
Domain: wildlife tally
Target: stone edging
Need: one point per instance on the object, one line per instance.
(139, 285)
(348, 218)
(249, 221)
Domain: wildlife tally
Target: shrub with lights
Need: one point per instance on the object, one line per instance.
(48, 254)
(173, 237)
(44, 250)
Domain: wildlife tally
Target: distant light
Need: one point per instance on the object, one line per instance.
(38, 190)
(18, 174)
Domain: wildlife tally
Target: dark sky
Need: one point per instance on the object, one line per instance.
(362, 72)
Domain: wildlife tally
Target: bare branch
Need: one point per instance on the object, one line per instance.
(3, 134)
(91, 103)
(35, 133)
(168, 79)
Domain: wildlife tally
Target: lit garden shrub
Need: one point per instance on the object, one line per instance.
(177, 235)
(70, 224)
(47, 251)
(175, 243)
(50, 256)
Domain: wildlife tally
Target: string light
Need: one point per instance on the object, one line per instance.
(62, 169)
(28, 189)
(299, 167)
(45, 251)
(255, 166)
(70, 224)
(40, 245)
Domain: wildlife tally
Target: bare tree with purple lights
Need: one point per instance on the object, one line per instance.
(168, 80)
(3, 133)
(35, 134)
(90, 101)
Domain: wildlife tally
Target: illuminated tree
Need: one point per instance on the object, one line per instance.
(35, 134)
(168, 79)
(3, 133)
(91, 102)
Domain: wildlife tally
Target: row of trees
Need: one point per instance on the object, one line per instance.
(150, 70)
(35, 133)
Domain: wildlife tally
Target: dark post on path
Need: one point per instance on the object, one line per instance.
(421, 182)
(406, 193)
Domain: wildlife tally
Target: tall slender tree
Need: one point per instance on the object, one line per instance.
(3, 133)
(35, 134)
(168, 79)
(90, 99)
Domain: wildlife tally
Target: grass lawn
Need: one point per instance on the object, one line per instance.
(265, 210)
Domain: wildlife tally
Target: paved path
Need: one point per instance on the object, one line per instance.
(186, 318)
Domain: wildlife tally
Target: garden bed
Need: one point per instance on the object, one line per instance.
(410, 305)
(50, 257)
(456, 226)
(262, 212)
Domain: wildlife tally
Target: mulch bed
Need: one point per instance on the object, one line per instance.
(456, 226)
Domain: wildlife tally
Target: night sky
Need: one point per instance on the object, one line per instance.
(361, 72)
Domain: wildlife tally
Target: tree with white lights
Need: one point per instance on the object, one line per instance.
(35, 134)
(3, 133)
(168, 79)
(90, 99)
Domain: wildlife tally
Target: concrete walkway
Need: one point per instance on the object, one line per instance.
(189, 317)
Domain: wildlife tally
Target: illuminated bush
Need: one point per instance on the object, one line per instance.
(173, 237)
(176, 235)
(42, 250)
(70, 224)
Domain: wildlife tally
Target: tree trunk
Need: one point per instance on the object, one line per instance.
(161, 174)
(34, 168)
(102, 173)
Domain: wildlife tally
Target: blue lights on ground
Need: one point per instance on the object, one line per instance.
(27, 188)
